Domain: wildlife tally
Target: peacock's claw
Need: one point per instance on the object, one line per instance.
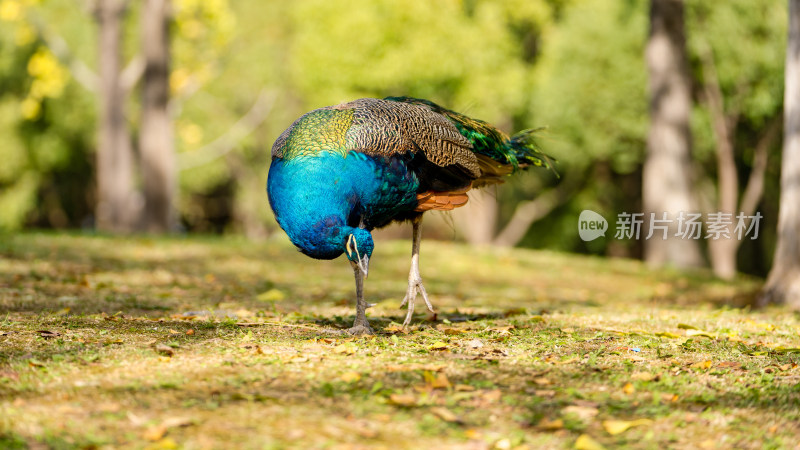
(360, 330)
(415, 287)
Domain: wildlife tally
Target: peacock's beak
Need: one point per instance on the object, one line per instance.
(362, 262)
(363, 265)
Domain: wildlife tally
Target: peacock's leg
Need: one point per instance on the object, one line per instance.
(361, 325)
(414, 279)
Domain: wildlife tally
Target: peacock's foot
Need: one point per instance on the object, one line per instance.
(414, 287)
(361, 330)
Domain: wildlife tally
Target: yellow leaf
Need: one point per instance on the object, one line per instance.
(585, 442)
(346, 348)
(628, 388)
(700, 333)
(667, 334)
(272, 295)
(614, 427)
(350, 377)
(684, 326)
(164, 444)
(438, 345)
(453, 331)
(701, 365)
(394, 328)
(472, 434)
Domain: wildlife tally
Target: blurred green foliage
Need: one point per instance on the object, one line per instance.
(576, 66)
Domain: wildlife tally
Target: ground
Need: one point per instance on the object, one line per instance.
(224, 343)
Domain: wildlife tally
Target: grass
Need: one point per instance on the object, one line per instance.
(222, 343)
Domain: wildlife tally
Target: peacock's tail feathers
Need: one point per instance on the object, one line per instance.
(512, 153)
(528, 151)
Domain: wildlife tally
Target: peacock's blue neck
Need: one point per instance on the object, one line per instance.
(319, 199)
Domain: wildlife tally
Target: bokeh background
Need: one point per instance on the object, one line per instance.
(241, 71)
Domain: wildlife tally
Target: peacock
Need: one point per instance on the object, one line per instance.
(341, 171)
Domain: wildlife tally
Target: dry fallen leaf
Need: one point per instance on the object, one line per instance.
(585, 442)
(644, 376)
(475, 343)
(177, 422)
(729, 365)
(155, 433)
(544, 393)
(464, 388)
(701, 365)
(614, 427)
(395, 329)
(190, 332)
(584, 413)
(445, 414)
(165, 350)
(48, 334)
(502, 330)
(550, 425)
(406, 400)
(628, 388)
(440, 382)
(541, 381)
(492, 396)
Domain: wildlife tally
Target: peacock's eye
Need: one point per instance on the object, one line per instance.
(351, 246)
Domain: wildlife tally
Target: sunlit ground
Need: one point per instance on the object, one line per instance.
(226, 343)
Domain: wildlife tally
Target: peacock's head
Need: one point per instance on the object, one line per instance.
(358, 247)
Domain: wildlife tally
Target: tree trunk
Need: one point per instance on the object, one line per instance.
(666, 175)
(116, 208)
(156, 138)
(783, 282)
(477, 221)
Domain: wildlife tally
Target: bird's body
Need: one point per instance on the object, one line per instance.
(341, 171)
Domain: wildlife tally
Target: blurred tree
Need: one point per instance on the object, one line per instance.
(738, 72)
(117, 208)
(590, 90)
(155, 130)
(666, 178)
(783, 283)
